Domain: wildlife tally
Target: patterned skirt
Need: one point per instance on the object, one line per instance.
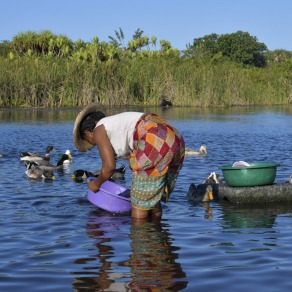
(157, 157)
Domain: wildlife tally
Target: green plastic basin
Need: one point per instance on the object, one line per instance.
(257, 174)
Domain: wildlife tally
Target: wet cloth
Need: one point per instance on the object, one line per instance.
(157, 157)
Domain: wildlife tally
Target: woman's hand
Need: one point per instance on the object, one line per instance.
(93, 185)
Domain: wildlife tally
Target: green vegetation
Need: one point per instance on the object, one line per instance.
(239, 47)
(47, 70)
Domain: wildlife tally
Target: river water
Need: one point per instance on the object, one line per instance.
(54, 239)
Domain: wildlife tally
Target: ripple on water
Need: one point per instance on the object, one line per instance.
(51, 234)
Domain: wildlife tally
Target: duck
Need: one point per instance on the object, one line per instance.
(213, 178)
(70, 159)
(80, 175)
(33, 171)
(119, 173)
(201, 152)
(200, 193)
(205, 192)
(46, 165)
(1, 155)
(165, 102)
(34, 156)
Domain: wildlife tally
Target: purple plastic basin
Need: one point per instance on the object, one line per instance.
(111, 197)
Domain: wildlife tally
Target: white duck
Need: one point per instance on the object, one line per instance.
(201, 152)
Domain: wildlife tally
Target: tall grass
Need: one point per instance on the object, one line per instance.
(57, 82)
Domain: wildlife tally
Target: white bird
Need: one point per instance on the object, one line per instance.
(201, 152)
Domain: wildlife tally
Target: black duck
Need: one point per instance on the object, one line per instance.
(119, 173)
(80, 175)
(70, 159)
(201, 193)
(213, 178)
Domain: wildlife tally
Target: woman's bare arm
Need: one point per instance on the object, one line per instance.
(101, 140)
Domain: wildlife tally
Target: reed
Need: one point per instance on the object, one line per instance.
(61, 82)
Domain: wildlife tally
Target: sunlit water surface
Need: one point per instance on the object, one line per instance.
(53, 239)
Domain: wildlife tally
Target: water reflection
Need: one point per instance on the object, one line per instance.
(153, 260)
(101, 252)
(100, 274)
(171, 113)
(208, 210)
(253, 215)
(151, 265)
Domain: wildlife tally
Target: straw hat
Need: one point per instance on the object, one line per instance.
(81, 144)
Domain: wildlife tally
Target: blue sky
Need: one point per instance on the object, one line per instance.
(177, 21)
